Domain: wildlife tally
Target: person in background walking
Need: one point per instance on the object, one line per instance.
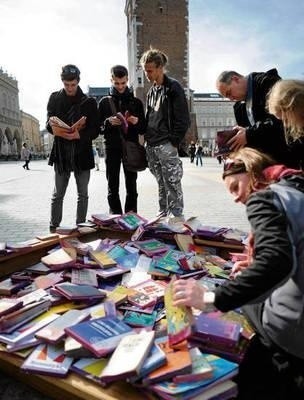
(25, 156)
(168, 120)
(96, 158)
(192, 150)
(199, 155)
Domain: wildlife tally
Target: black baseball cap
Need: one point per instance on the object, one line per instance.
(70, 72)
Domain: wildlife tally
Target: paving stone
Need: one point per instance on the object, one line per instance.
(25, 206)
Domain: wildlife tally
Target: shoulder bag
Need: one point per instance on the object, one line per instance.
(133, 153)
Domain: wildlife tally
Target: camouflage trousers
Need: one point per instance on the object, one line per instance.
(166, 166)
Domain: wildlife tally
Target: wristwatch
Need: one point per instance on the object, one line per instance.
(209, 298)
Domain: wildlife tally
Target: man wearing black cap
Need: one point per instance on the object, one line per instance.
(72, 150)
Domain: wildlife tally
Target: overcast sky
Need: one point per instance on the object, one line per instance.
(38, 37)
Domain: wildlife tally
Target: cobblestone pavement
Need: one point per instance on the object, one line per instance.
(25, 205)
(25, 197)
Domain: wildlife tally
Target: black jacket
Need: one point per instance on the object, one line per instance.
(123, 102)
(75, 154)
(273, 254)
(175, 117)
(267, 133)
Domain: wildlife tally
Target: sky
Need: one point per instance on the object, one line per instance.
(39, 37)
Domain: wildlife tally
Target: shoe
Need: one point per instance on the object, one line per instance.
(174, 220)
(162, 213)
(52, 229)
(23, 166)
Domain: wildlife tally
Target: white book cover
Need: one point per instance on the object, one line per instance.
(29, 328)
(34, 296)
(128, 356)
(54, 331)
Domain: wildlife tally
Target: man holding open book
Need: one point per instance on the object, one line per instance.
(73, 120)
(121, 117)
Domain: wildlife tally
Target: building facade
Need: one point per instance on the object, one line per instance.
(213, 113)
(10, 119)
(31, 133)
(162, 24)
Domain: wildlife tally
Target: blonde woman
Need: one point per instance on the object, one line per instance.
(286, 102)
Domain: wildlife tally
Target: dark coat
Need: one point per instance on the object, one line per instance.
(75, 154)
(123, 102)
(267, 133)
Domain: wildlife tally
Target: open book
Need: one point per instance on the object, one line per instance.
(60, 128)
(222, 139)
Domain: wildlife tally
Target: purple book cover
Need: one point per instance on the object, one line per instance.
(212, 330)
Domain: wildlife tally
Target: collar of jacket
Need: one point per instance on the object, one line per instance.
(127, 94)
(75, 99)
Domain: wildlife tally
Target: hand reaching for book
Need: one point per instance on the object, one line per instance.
(188, 293)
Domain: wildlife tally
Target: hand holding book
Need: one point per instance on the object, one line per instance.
(65, 131)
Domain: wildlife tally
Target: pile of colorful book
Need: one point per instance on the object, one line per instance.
(103, 309)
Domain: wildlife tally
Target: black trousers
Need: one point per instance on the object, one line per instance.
(267, 372)
(113, 160)
(26, 164)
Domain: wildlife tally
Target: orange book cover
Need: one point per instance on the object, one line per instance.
(178, 362)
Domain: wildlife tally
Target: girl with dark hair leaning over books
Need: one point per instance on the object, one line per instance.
(271, 284)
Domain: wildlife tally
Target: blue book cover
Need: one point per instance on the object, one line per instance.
(101, 335)
(222, 370)
(79, 292)
(117, 251)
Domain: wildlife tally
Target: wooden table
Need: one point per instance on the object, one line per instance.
(73, 387)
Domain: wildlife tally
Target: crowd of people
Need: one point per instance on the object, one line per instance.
(263, 172)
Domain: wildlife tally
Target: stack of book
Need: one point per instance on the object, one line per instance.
(94, 308)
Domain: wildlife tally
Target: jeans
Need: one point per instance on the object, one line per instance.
(113, 162)
(166, 166)
(61, 183)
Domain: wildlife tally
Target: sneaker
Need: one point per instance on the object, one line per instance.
(174, 220)
(162, 213)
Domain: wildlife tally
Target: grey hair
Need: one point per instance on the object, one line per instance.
(226, 76)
